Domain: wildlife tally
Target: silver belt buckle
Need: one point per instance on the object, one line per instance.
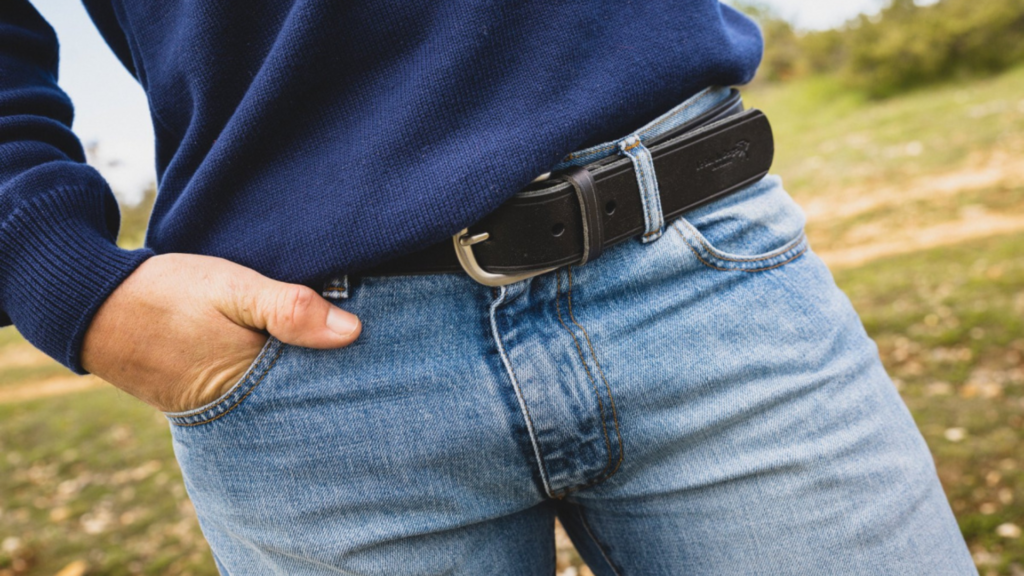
(464, 250)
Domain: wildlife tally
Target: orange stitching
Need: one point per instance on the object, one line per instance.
(277, 355)
(611, 399)
(588, 152)
(579, 350)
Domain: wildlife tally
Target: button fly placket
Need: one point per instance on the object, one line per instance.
(565, 399)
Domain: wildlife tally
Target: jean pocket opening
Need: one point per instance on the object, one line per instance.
(717, 259)
(755, 229)
(254, 375)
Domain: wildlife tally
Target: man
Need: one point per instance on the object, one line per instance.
(646, 348)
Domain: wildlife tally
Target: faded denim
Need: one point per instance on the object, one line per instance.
(707, 403)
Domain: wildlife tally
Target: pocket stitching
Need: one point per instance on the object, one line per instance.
(183, 420)
(790, 251)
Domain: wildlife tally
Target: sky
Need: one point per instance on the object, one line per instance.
(111, 110)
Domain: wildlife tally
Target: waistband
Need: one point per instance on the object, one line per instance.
(694, 107)
(689, 109)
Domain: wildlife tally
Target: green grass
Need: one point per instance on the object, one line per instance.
(828, 138)
(950, 327)
(23, 374)
(91, 476)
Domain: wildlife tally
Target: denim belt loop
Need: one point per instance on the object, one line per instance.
(643, 165)
(336, 288)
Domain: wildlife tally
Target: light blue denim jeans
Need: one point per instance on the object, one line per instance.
(706, 403)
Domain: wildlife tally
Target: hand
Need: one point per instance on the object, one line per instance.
(182, 329)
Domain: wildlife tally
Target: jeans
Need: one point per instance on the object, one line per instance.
(706, 403)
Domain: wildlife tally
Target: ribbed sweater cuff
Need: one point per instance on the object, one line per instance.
(58, 263)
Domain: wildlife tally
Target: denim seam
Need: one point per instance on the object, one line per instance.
(719, 255)
(718, 261)
(255, 367)
(590, 376)
(761, 269)
(593, 538)
(519, 393)
(611, 398)
(182, 420)
(622, 448)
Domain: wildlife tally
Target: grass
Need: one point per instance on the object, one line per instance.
(950, 328)
(90, 476)
(829, 140)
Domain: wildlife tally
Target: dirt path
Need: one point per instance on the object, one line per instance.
(47, 388)
(999, 168)
(945, 234)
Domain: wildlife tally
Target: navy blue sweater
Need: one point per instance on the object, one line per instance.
(308, 137)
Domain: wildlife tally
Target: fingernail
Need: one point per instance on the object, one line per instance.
(342, 322)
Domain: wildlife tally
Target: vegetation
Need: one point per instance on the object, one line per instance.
(905, 46)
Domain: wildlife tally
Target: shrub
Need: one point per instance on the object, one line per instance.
(902, 47)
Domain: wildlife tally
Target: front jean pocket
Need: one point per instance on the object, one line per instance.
(257, 372)
(755, 229)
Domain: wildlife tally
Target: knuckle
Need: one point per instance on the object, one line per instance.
(293, 303)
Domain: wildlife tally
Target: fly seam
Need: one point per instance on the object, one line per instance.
(611, 399)
(545, 477)
(526, 409)
(590, 376)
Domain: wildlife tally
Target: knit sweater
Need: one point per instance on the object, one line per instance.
(305, 138)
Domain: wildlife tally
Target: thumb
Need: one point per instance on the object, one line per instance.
(295, 314)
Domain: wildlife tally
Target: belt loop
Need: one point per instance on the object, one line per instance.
(593, 224)
(336, 288)
(643, 165)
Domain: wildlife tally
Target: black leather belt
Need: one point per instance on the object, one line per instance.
(572, 216)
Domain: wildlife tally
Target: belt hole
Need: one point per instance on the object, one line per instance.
(609, 208)
(557, 229)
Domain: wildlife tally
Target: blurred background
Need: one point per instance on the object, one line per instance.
(900, 130)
